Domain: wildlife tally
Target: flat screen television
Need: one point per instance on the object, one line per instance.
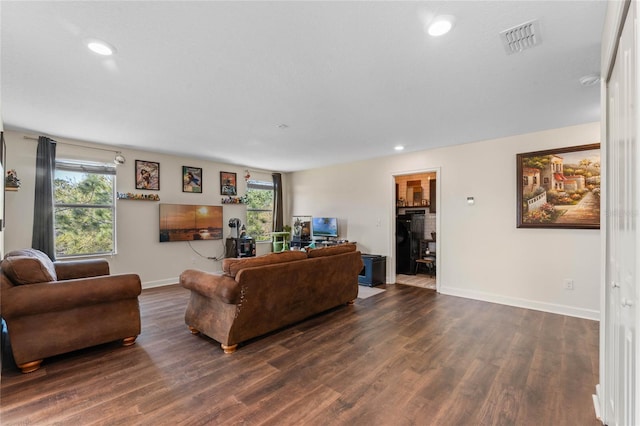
(186, 222)
(324, 227)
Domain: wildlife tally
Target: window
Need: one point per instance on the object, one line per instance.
(84, 208)
(259, 209)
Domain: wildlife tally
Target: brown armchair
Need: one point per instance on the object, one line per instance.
(56, 307)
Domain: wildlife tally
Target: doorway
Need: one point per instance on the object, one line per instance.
(415, 238)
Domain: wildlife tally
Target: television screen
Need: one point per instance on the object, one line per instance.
(324, 226)
(184, 222)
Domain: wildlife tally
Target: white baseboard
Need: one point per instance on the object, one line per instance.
(167, 281)
(522, 303)
(472, 294)
(160, 283)
(596, 403)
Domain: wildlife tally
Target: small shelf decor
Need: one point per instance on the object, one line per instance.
(235, 200)
(11, 182)
(137, 197)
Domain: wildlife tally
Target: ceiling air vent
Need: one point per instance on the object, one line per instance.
(521, 37)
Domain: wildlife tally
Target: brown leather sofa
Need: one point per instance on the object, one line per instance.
(258, 295)
(57, 307)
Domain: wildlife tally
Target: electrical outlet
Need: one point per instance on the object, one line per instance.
(568, 284)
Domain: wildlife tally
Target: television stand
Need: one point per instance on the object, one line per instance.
(300, 242)
(325, 241)
(331, 242)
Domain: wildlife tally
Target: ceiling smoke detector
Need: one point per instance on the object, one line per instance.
(521, 37)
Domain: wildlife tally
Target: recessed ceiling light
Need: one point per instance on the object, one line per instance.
(440, 26)
(399, 147)
(101, 47)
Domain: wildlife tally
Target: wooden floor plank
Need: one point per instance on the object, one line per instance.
(406, 356)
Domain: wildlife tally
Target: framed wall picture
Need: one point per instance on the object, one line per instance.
(184, 222)
(147, 175)
(228, 183)
(559, 188)
(302, 227)
(191, 179)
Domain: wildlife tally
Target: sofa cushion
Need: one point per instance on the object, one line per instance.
(28, 266)
(231, 267)
(331, 250)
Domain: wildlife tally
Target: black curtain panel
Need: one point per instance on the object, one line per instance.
(277, 202)
(43, 237)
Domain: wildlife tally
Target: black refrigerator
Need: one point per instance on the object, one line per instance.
(409, 232)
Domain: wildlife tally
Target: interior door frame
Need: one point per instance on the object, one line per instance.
(614, 23)
(391, 277)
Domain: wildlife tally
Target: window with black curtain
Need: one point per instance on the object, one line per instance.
(260, 209)
(84, 209)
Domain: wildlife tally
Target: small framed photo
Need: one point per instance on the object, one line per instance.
(228, 183)
(559, 188)
(147, 175)
(302, 227)
(191, 179)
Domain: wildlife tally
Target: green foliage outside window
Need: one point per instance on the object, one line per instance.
(83, 213)
(259, 210)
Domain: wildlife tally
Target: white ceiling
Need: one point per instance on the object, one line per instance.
(350, 80)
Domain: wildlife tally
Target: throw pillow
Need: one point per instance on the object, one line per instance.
(26, 270)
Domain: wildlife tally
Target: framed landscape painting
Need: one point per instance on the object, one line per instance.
(559, 188)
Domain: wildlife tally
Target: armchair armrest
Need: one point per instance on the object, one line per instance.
(68, 270)
(211, 285)
(30, 299)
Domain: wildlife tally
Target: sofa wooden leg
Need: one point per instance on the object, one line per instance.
(351, 302)
(29, 367)
(229, 349)
(193, 330)
(128, 341)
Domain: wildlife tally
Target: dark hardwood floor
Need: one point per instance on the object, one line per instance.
(407, 356)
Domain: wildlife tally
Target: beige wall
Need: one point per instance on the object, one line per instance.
(139, 249)
(481, 253)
